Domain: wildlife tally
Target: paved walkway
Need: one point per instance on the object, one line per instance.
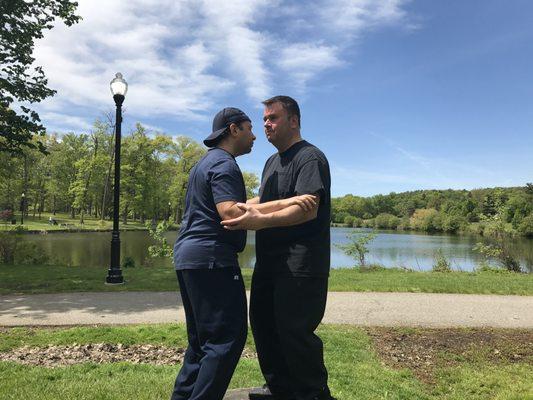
(362, 309)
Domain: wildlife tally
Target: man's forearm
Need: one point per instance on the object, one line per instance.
(292, 215)
(268, 207)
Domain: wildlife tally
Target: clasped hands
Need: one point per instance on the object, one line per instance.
(253, 219)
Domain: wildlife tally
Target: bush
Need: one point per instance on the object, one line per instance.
(128, 262)
(6, 216)
(500, 253)
(526, 226)
(427, 220)
(441, 263)
(14, 249)
(8, 245)
(348, 220)
(358, 246)
(386, 221)
(29, 253)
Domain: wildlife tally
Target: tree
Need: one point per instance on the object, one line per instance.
(251, 182)
(22, 22)
(358, 246)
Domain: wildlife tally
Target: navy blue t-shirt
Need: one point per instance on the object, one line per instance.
(202, 242)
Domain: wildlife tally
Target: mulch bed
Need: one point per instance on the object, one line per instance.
(424, 350)
(99, 353)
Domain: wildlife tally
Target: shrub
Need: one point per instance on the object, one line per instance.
(348, 220)
(6, 216)
(14, 249)
(427, 220)
(441, 263)
(128, 262)
(386, 221)
(358, 247)
(526, 226)
(500, 253)
(29, 253)
(8, 245)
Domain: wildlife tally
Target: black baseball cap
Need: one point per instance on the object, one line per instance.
(222, 121)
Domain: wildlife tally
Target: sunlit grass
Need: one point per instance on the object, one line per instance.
(355, 372)
(59, 279)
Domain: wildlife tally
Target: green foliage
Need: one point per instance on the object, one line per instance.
(499, 211)
(22, 23)
(251, 182)
(128, 262)
(8, 245)
(526, 226)
(499, 252)
(441, 263)
(386, 221)
(358, 246)
(162, 248)
(15, 249)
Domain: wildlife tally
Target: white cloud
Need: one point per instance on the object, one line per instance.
(182, 57)
(305, 60)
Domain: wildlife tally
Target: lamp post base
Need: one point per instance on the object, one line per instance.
(114, 277)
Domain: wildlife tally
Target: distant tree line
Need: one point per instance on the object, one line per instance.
(489, 212)
(75, 175)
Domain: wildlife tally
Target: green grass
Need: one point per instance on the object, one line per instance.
(66, 223)
(396, 280)
(355, 372)
(32, 279)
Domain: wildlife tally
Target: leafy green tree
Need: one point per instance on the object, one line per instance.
(187, 152)
(526, 226)
(22, 23)
(251, 182)
(358, 246)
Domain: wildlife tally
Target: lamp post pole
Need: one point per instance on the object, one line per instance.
(22, 204)
(119, 88)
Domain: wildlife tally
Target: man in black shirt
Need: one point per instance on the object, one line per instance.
(289, 285)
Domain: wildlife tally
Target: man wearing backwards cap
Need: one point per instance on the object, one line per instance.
(205, 258)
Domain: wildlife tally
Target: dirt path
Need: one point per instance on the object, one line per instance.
(361, 309)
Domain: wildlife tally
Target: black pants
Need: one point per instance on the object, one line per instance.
(284, 313)
(214, 301)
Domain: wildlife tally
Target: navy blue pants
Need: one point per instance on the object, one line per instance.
(214, 301)
(284, 313)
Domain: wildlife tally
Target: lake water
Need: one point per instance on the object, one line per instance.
(391, 249)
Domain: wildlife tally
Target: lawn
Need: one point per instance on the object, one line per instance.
(357, 369)
(66, 223)
(31, 279)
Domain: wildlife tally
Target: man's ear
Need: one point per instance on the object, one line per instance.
(233, 129)
(293, 121)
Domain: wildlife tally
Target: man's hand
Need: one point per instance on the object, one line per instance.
(252, 219)
(306, 201)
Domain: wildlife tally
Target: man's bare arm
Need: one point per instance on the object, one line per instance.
(253, 219)
(253, 200)
(229, 209)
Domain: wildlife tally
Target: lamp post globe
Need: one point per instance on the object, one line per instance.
(119, 88)
(22, 204)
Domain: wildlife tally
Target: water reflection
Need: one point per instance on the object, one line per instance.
(391, 249)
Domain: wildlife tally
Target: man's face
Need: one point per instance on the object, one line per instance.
(277, 123)
(245, 137)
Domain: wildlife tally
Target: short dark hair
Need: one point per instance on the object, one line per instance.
(224, 134)
(289, 104)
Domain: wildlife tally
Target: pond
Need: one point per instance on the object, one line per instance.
(390, 249)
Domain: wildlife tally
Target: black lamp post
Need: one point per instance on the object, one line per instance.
(22, 201)
(119, 87)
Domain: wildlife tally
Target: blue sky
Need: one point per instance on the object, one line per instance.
(400, 95)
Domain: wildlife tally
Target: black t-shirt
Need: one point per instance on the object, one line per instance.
(300, 250)
(202, 242)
